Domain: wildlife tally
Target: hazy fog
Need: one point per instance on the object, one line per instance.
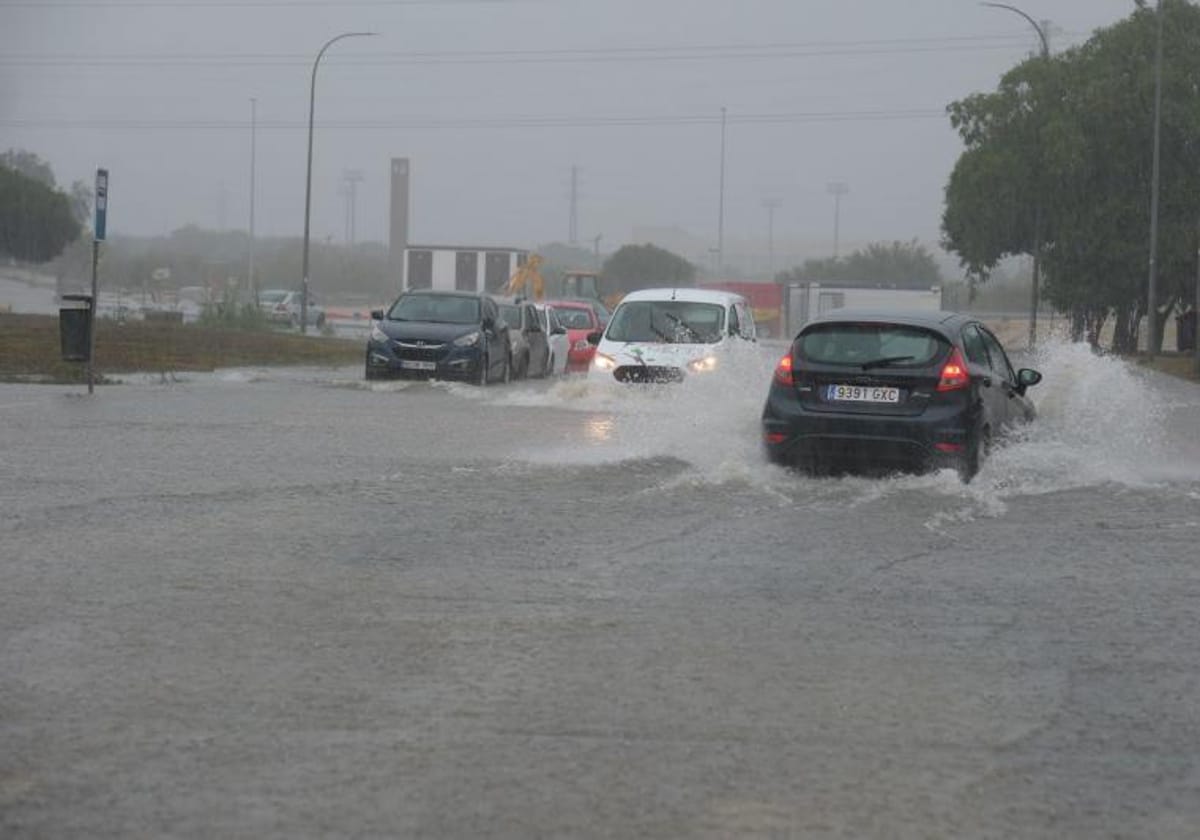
(159, 92)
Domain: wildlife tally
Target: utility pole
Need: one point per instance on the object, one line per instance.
(573, 234)
(721, 201)
(250, 279)
(596, 249)
(350, 180)
(771, 204)
(837, 189)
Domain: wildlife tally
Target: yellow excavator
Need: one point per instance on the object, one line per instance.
(587, 285)
(527, 281)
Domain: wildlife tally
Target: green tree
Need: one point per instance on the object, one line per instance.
(29, 165)
(1073, 136)
(636, 267)
(895, 265)
(36, 222)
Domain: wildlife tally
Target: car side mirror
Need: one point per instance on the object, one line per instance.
(1027, 378)
(558, 331)
(377, 314)
(593, 338)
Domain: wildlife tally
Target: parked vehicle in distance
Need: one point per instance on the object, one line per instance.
(530, 348)
(886, 391)
(556, 338)
(580, 320)
(441, 335)
(282, 306)
(664, 335)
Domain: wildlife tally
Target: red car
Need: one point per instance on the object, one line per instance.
(579, 317)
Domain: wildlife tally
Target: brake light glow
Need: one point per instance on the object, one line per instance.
(955, 376)
(775, 438)
(951, 448)
(783, 371)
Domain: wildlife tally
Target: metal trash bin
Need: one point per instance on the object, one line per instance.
(75, 328)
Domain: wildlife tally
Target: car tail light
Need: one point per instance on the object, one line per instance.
(783, 371)
(954, 373)
(775, 438)
(950, 448)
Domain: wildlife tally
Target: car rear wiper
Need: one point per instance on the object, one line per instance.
(884, 362)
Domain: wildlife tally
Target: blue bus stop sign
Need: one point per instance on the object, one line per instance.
(101, 203)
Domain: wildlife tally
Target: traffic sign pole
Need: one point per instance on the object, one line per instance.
(100, 231)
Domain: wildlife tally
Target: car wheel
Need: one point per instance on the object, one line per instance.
(508, 371)
(482, 380)
(549, 366)
(978, 450)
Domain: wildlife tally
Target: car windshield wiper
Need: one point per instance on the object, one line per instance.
(661, 335)
(695, 333)
(884, 362)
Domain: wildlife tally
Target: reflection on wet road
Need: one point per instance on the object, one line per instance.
(288, 603)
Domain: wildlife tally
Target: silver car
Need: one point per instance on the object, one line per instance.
(282, 306)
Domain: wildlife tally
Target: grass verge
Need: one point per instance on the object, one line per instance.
(1182, 365)
(30, 350)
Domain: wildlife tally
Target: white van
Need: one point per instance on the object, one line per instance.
(663, 335)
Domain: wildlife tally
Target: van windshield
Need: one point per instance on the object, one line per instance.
(667, 322)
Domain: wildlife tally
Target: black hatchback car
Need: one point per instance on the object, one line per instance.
(440, 335)
(889, 391)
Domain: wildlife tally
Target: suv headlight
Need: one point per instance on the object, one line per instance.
(603, 362)
(378, 334)
(581, 345)
(468, 340)
(703, 365)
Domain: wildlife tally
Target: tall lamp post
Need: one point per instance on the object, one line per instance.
(1153, 342)
(312, 98)
(1037, 207)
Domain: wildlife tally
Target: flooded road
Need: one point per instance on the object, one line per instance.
(285, 603)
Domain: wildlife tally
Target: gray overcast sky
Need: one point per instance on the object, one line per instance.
(158, 91)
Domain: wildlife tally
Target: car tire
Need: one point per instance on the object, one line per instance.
(549, 366)
(508, 370)
(977, 452)
(482, 379)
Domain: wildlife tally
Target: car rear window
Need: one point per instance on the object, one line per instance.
(574, 318)
(858, 343)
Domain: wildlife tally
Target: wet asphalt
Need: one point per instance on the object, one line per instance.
(284, 604)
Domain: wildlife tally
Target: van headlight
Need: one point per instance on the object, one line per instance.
(708, 363)
(468, 340)
(378, 334)
(581, 345)
(603, 362)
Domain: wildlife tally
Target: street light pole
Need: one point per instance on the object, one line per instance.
(721, 202)
(312, 98)
(251, 281)
(771, 204)
(1152, 340)
(837, 189)
(1037, 207)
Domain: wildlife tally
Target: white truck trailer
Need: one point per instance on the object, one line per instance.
(805, 301)
(460, 268)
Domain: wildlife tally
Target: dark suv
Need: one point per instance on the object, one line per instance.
(440, 335)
